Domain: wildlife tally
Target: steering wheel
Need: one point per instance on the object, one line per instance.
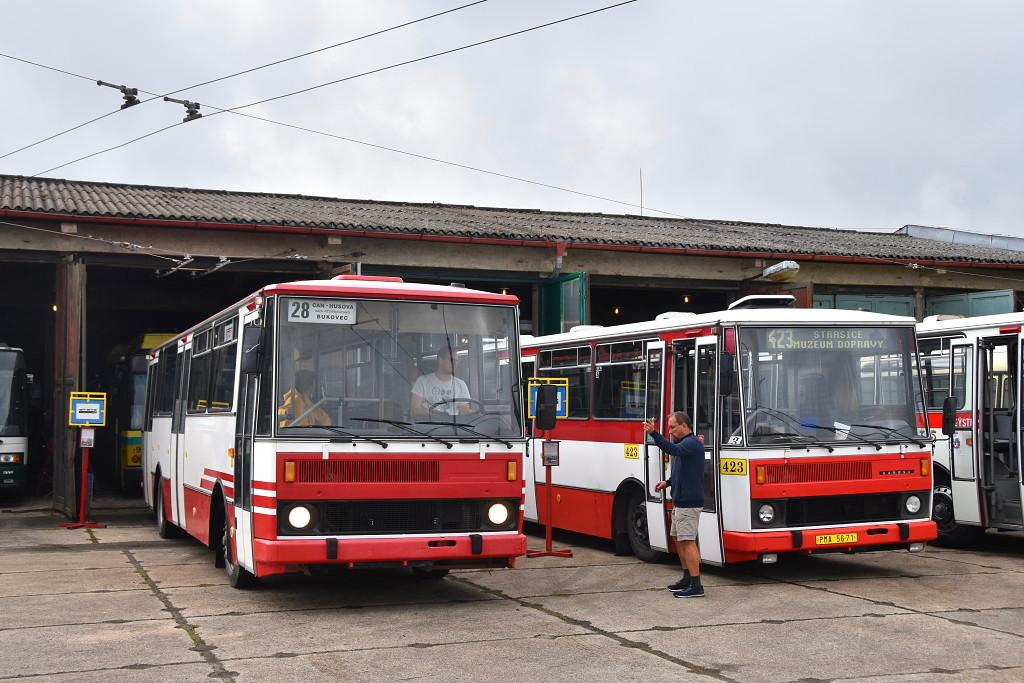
(481, 409)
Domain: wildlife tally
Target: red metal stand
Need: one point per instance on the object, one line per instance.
(82, 522)
(548, 550)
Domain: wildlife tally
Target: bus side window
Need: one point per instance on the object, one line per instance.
(153, 373)
(704, 419)
(265, 406)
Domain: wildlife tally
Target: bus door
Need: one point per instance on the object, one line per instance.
(530, 464)
(964, 462)
(705, 419)
(998, 429)
(240, 508)
(657, 528)
(177, 451)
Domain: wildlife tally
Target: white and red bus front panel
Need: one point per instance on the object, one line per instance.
(356, 487)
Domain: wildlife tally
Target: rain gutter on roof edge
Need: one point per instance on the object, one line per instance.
(591, 246)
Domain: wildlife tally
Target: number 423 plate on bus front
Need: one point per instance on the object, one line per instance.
(834, 539)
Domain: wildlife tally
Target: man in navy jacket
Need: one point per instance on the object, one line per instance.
(686, 480)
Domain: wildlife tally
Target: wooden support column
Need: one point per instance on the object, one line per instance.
(69, 369)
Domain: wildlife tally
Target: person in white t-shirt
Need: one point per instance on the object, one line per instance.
(436, 392)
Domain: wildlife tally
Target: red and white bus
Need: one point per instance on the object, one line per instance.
(972, 381)
(278, 432)
(809, 420)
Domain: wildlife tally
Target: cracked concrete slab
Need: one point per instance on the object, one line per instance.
(937, 593)
(619, 612)
(591, 658)
(390, 626)
(840, 648)
(56, 581)
(593, 579)
(179, 673)
(1008, 620)
(20, 561)
(80, 608)
(67, 649)
(306, 593)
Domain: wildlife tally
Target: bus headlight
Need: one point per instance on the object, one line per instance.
(766, 514)
(498, 514)
(10, 458)
(913, 504)
(300, 517)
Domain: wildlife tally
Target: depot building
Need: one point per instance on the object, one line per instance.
(95, 273)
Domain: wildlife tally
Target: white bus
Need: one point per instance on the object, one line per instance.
(972, 377)
(14, 406)
(809, 420)
(283, 432)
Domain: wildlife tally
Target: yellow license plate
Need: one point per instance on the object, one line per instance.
(834, 539)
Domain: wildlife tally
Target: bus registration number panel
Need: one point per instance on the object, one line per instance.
(835, 539)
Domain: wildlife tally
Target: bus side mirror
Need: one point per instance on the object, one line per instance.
(547, 406)
(949, 416)
(252, 350)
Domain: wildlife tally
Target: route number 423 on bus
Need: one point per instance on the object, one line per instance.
(809, 420)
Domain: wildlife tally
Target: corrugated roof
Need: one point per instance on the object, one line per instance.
(82, 198)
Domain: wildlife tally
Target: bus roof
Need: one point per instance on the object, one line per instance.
(367, 286)
(750, 316)
(389, 288)
(977, 322)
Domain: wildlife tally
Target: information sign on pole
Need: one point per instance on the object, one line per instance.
(88, 409)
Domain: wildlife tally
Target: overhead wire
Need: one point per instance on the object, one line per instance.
(477, 169)
(222, 110)
(156, 96)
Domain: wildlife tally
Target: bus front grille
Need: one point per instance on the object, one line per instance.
(793, 473)
(367, 471)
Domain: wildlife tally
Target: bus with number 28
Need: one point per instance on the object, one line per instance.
(809, 420)
(284, 432)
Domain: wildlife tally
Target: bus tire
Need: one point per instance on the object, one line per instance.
(636, 528)
(164, 527)
(238, 576)
(951, 534)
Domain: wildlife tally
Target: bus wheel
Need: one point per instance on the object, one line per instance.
(636, 527)
(238, 576)
(950, 533)
(164, 528)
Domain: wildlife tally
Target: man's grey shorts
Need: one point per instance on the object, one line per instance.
(684, 523)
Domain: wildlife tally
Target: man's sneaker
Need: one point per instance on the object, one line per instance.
(680, 585)
(690, 592)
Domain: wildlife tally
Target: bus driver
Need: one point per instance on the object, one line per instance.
(297, 407)
(439, 391)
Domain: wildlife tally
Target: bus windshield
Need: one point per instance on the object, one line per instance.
(836, 384)
(370, 368)
(13, 394)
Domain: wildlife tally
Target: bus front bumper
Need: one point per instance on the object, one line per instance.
(741, 546)
(463, 551)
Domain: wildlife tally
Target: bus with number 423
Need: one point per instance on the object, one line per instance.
(972, 370)
(284, 432)
(809, 420)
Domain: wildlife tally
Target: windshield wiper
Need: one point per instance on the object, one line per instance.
(794, 421)
(405, 426)
(848, 433)
(471, 431)
(338, 430)
(894, 431)
(809, 438)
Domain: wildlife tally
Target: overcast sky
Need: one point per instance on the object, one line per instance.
(865, 115)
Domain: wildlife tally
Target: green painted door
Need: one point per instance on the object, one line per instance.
(563, 303)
